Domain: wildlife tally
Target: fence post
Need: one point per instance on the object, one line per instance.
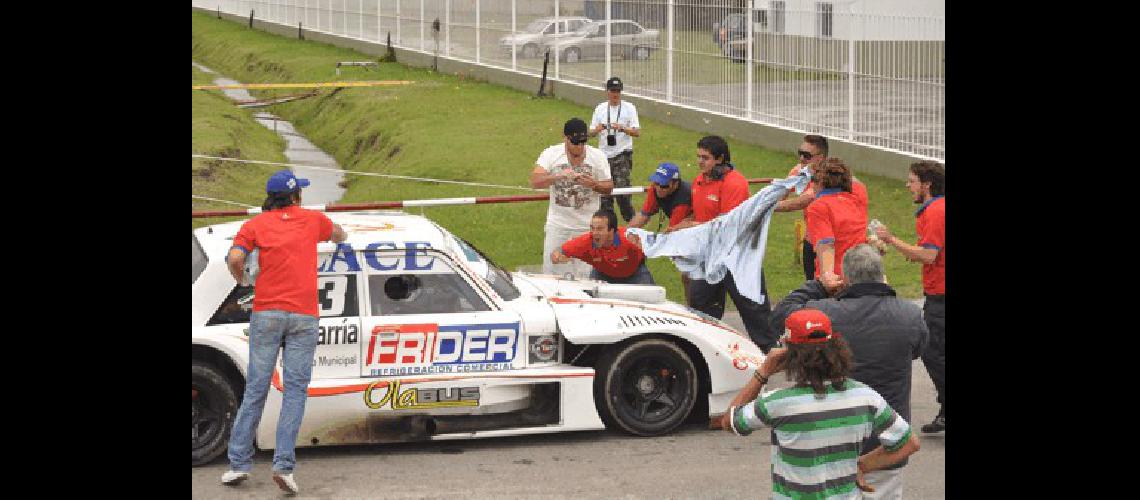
(609, 48)
(251, 18)
(748, 59)
(851, 84)
(344, 18)
(669, 31)
(447, 26)
(360, 20)
(423, 46)
(557, 66)
(514, 31)
(300, 31)
(399, 40)
(478, 49)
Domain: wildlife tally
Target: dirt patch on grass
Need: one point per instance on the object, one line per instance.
(207, 169)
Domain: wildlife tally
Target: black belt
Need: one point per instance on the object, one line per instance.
(936, 298)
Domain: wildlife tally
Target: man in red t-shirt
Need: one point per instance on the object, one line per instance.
(285, 313)
(811, 152)
(613, 257)
(836, 220)
(927, 182)
(717, 190)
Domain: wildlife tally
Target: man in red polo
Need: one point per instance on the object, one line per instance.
(718, 189)
(927, 182)
(605, 247)
(811, 152)
(836, 220)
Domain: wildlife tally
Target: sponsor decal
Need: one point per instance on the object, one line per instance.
(630, 321)
(433, 348)
(381, 393)
(347, 259)
(337, 361)
(543, 348)
(337, 334)
(740, 359)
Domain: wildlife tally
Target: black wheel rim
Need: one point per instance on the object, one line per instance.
(206, 418)
(653, 389)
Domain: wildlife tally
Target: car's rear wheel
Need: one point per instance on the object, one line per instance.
(641, 53)
(214, 406)
(529, 50)
(646, 388)
(573, 55)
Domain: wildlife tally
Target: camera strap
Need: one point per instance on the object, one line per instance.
(618, 117)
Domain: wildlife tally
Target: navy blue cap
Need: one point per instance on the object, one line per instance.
(665, 173)
(284, 182)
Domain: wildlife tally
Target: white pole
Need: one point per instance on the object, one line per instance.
(360, 19)
(514, 31)
(850, 84)
(447, 24)
(609, 54)
(748, 59)
(669, 51)
(477, 46)
(398, 39)
(557, 69)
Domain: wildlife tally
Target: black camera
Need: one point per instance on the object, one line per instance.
(611, 139)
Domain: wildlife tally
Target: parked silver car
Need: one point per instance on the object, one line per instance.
(531, 38)
(628, 40)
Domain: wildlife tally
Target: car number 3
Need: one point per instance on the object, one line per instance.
(332, 291)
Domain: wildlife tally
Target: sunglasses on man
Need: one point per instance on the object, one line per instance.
(804, 154)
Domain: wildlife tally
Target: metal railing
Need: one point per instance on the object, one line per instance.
(867, 71)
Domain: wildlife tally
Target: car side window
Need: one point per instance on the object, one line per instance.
(575, 25)
(437, 290)
(236, 308)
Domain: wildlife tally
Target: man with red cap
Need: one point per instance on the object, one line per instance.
(819, 423)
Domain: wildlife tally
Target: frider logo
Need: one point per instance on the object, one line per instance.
(418, 399)
(809, 325)
(432, 348)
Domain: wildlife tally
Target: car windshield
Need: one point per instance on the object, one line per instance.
(535, 26)
(496, 276)
(200, 259)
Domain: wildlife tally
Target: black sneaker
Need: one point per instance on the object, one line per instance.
(938, 425)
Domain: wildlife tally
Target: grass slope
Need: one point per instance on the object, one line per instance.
(222, 129)
(446, 127)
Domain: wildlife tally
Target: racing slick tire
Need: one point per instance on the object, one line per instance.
(214, 406)
(645, 388)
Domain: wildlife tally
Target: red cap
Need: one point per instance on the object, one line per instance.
(807, 326)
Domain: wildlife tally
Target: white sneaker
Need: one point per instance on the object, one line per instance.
(233, 477)
(286, 482)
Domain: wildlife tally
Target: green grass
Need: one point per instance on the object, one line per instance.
(222, 129)
(446, 127)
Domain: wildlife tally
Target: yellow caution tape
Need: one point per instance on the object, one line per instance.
(301, 85)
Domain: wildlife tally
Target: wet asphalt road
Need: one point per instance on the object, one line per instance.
(690, 463)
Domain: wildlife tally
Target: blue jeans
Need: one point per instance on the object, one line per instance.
(268, 331)
(639, 277)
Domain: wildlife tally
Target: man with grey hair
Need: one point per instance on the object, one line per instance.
(885, 334)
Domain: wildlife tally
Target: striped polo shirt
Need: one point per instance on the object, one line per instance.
(817, 438)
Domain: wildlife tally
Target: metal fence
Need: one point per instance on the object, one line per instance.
(868, 71)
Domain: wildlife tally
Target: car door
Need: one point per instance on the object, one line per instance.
(340, 279)
(594, 46)
(425, 318)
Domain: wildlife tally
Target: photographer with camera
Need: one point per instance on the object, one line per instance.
(618, 119)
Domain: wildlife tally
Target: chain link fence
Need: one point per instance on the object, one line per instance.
(868, 71)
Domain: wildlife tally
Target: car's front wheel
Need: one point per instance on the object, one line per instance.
(214, 405)
(641, 53)
(646, 388)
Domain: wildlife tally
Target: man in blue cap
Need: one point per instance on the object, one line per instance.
(672, 197)
(284, 318)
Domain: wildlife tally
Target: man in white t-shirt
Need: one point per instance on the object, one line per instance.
(619, 119)
(577, 175)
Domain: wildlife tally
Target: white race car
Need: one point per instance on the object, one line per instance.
(422, 337)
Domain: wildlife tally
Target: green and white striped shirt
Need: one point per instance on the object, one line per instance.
(817, 438)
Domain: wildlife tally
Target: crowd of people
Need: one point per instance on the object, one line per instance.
(848, 342)
(843, 338)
